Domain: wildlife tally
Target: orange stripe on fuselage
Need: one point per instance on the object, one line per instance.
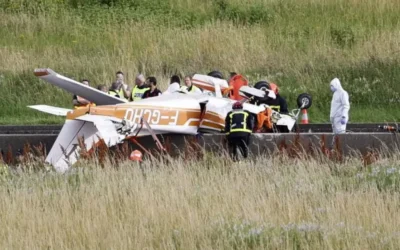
(194, 123)
(77, 112)
(212, 125)
(215, 118)
(153, 115)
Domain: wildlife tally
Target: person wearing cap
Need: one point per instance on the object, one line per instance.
(139, 89)
(239, 126)
(80, 102)
(189, 87)
(153, 91)
(123, 90)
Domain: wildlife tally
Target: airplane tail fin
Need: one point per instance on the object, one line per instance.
(51, 110)
(65, 151)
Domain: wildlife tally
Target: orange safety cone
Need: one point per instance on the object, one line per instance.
(304, 117)
(136, 155)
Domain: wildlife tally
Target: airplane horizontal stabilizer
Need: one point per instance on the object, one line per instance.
(51, 110)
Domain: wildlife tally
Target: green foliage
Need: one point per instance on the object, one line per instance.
(301, 45)
(242, 15)
(32, 7)
(344, 37)
(385, 179)
(274, 202)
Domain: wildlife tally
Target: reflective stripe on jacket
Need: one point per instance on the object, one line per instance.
(113, 93)
(238, 122)
(137, 93)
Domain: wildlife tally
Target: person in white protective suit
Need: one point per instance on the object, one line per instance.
(340, 107)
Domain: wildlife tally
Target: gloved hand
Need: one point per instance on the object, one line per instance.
(343, 121)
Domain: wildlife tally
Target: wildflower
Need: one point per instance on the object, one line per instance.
(4, 170)
(320, 210)
(371, 234)
(308, 227)
(255, 231)
(390, 171)
(288, 227)
(375, 172)
(340, 224)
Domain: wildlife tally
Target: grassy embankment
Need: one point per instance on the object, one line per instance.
(278, 203)
(301, 45)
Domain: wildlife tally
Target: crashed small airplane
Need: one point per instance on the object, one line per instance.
(114, 120)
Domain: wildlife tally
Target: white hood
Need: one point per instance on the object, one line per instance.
(336, 84)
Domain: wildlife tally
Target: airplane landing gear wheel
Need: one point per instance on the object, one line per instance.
(262, 85)
(216, 74)
(306, 99)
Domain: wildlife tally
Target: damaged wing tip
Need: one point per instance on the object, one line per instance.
(41, 72)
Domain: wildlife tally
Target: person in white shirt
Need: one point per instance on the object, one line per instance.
(174, 85)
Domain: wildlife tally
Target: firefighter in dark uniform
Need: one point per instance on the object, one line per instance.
(278, 104)
(239, 126)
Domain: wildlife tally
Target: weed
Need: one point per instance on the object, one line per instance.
(300, 45)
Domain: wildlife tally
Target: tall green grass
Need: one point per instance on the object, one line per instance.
(301, 45)
(274, 203)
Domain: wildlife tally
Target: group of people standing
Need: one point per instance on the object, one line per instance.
(143, 88)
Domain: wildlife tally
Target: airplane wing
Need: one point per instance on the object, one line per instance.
(74, 87)
(65, 150)
(51, 110)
